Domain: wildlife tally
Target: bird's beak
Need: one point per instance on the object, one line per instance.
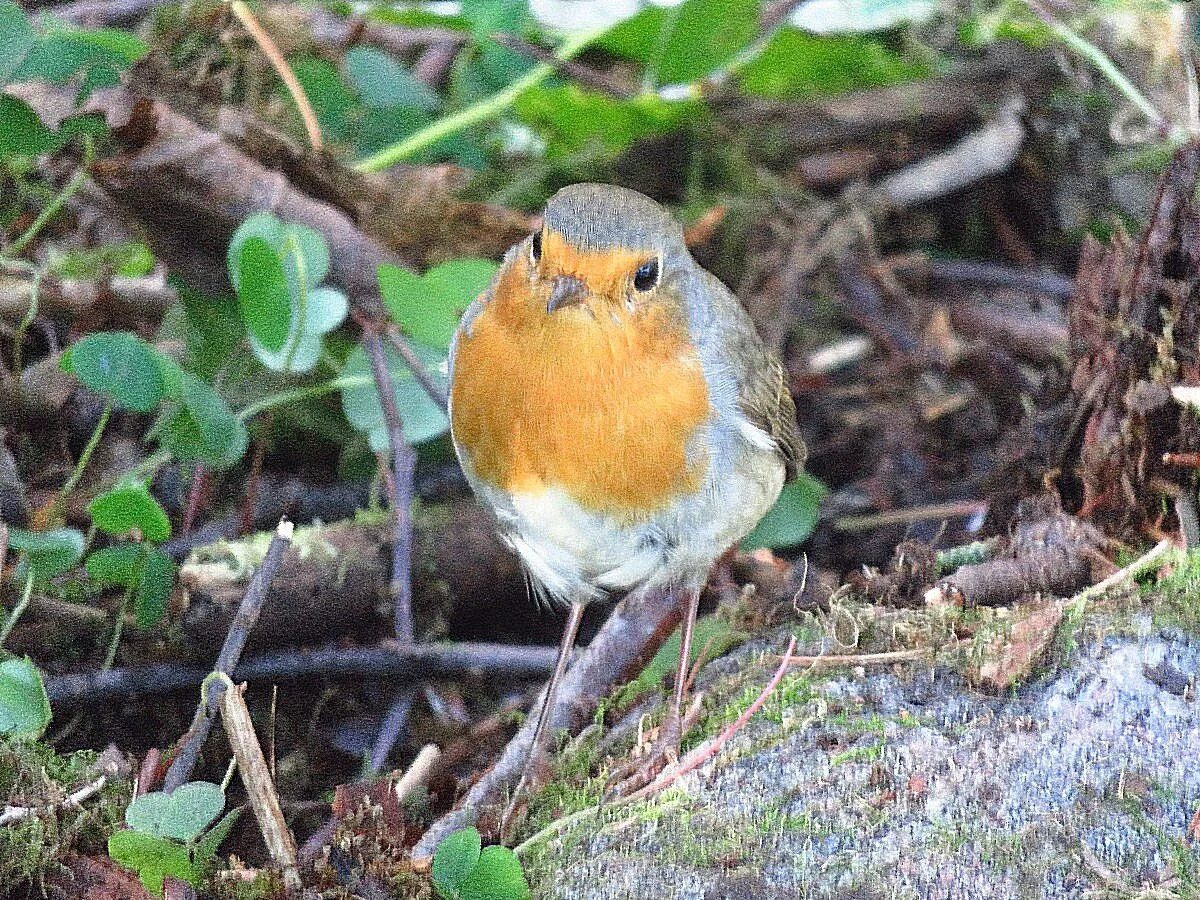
(566, 290)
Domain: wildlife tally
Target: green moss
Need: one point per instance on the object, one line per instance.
(1175, 598)
(32, 774)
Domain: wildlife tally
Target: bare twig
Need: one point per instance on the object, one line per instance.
(407, 664)
(952, 510)
(435, 391)
(260, 787)
(1152, 558)
(13, 814)
(988, 151)
(418, 772)
(403, 465)
(281, 67)
(577, 71)
(832, 661)
(625, 643)
(235, 642)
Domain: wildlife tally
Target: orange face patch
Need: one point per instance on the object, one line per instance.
(598, 401)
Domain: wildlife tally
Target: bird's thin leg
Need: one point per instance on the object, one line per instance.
(672, 732)
(537, 749)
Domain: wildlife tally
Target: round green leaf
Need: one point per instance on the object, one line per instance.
(383, 82)
(154, 588)
(454, 859)
(428, 307)
(120, 366)
(24, 707)
(793, 517)
(120, 566)
(203, 428)
(21, 131)
(48, 552)
(497, 876)
(128, 507)
(263, 294)
(153, 858)
(421, 418)
(181, 814)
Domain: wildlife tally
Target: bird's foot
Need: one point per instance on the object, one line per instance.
(650, 758)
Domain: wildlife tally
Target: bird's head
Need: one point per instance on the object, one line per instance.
(604, 253)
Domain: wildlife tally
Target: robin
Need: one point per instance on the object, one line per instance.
(612, 404)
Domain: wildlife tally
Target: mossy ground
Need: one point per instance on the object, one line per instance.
(31, 850)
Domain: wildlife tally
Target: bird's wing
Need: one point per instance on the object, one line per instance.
(762, 391)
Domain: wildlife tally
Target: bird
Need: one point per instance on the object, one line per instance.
(614, 407)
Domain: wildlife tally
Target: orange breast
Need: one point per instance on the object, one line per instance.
(602, 409)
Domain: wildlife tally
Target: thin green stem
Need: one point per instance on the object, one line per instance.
(81, 463)
(301, 311)
(118, 627)
(49, 211)
(35, 289)
(1101, 61)
(485, 109)
(18, 609)
(301, 393)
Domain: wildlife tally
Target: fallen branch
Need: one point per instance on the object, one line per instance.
(407, 664)
(235, 642)
(418, 772)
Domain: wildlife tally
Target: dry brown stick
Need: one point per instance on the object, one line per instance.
(13, 814)
(832, 661)
(573, 69)
(282, 69)
(411, 664)
(260, 787)
(988, 151)
(622, 647)
(235, 642)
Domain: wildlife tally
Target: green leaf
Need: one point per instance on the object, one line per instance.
(154, 588)
(17, 39)
(573, 120)
(181, 814)
(793, 517)
(65, 51)
(48, 552)
(24, 706)
(21, 131)
(263, 294)
(798, 65)
(330, 98)
(713, 636)
(129, 506)
(116, 566)
(214, 326)
(304, 311)
(202, 428)
(455, 858)
(128, 260)
(153, 858)
(383, 83)
(686, 42)
(119, 365)
(207, 847)
(497, 876)
(420, 417)
(429, 306)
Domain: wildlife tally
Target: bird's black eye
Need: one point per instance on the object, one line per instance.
(646, 276)
(535, 249)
